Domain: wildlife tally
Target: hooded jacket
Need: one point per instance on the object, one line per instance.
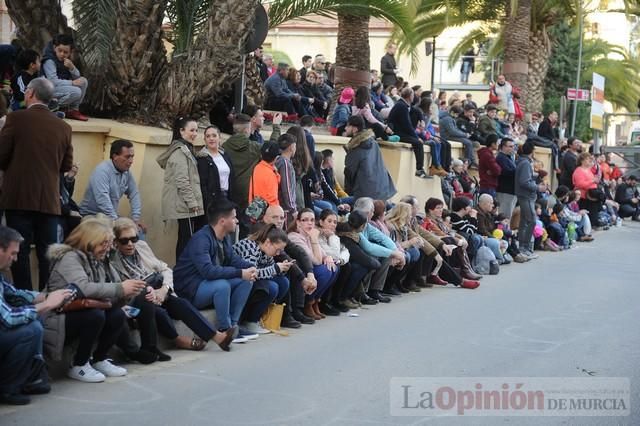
(244, 155)
(488, 169)
(96, 279)
(181, 192)
(525, 184)
(365, 174)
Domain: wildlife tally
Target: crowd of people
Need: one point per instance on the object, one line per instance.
(264, 222)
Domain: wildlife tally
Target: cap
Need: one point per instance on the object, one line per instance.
(347, 95)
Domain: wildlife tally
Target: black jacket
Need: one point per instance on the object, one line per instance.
(568, 166)
(388, 70)
(546, 130)
(210, 179)
(507, 178)
(400, 121)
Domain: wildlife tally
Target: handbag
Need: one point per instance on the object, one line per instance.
(272, 318)
(256, 208)
(82, 304)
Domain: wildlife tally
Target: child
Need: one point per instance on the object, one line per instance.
(28, 65)
(70, 87)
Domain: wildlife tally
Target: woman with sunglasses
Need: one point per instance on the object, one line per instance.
(181, 192)
(133, 258)
(82, 261)
(303, 233)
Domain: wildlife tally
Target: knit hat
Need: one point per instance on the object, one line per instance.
(347, 95)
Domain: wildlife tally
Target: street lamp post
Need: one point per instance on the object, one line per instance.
(575, 102)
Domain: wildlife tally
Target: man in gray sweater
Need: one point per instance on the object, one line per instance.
(526, 190)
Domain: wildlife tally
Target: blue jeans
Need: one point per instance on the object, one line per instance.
(412, 255)
(228, 297)
(494, 246)
(319, 205)
(436, 158)
(19, 347)
(275, 289)
(325, 279)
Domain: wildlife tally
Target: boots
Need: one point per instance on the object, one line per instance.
(316, 309)
(310, 312)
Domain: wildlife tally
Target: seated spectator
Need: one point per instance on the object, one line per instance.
(307, 61)
(306, 123)
(450, 132)
(257, 122)
(487, 124)
(244, 155)
(294, 77)
(342, 112)
(287, 186)
(400, 121)
(305, 234)
(571, 212)
(379, 246)
(23, 371)
(271, 285)
(378, 101)
(365, 174)
(435, 223)
(214, 168)
(110, 181)
(265, 179)
(362, 265)
(628, 198)
(70, 87)
(83, 261)
(468, 123)
(591, 197)
(488, 167)
(464, 220)
(134, 259)
(311, 90)
(333, 185)
(486, 226)
(328, 193)
(331, 245)
(326, 90)
(300, 274)
(209, 273)
(440, 148)
(181, 192)
(362, 107)
(464, 185)
(28, 68)
(279, 97)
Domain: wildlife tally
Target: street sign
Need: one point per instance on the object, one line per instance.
(578, 95)
(597, 106)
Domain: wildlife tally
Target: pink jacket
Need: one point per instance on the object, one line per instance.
(583, 180)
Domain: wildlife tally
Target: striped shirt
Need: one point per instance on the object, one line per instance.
(16, 306)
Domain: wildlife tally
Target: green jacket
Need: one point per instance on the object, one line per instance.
(244, 154)
(181, 192)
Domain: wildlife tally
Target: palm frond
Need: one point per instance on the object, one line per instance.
(96, 29)
(188, 18)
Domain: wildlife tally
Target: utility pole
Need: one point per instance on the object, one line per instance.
(575, 102)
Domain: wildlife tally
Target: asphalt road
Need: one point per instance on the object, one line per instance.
(570, 314)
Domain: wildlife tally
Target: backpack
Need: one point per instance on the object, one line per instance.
(482, 261)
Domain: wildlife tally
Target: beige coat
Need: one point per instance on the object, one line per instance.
(150, 262)
(73, 266)
(181, 191)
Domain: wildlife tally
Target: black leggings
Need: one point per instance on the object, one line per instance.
(91, 325)
(181, 309)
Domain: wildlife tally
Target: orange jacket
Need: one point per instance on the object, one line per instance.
(264, 183)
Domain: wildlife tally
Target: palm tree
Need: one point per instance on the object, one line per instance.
(516, 46)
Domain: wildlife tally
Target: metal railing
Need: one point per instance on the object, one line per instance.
(460, 75)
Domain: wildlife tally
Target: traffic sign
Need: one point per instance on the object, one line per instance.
(577, 94)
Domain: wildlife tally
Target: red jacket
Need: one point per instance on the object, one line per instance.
(488, 169)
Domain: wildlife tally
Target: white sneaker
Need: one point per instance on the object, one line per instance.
(255, 328)
(240, 339)
(85, 373)
(108, 369)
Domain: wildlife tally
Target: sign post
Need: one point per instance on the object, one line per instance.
(597, 107)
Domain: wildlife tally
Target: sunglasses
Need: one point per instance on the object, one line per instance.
(125, 241)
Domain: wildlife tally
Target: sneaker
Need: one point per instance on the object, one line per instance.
(254, 328)
(246, 334)
(470, 284)
(60, 114)
(422, 174)
(85, 373)
(349, 304)
(520, 258)
(74, 114)
(240, 339)
(394, 138)
(530, 255)
(109, 369)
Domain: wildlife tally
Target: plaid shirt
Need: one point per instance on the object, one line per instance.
(16, 306)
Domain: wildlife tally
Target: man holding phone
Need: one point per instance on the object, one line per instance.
(22, 371)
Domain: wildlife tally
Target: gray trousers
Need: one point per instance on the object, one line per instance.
(71, 96)
(527, 223)
(380, 275)
(507, 203)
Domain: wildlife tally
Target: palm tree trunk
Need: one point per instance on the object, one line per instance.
(352, 54)
(516, 48)
(538, 67)
(135, 66)
(211, 66)
(37, 21)
(254, 90)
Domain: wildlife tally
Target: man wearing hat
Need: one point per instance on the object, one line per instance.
(265, 179)
(342, 112)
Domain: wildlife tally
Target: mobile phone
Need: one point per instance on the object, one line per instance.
(130, 311)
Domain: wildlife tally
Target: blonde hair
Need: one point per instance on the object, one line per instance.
(123, 223)
(399, 215)
(90, 233)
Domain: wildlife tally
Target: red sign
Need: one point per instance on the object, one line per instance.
(577, 94)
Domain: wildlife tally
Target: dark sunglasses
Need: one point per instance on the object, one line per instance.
(125, 241)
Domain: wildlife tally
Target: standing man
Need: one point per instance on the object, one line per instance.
(505, 194)
(526, 190)
(110, 181)
(35, 148)
(307, 60)
(569, 162)
(257, 121)
(22, 370)
(244, 155)
(262, 67)
(488, 168)
(504, 91)
(388, 66)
